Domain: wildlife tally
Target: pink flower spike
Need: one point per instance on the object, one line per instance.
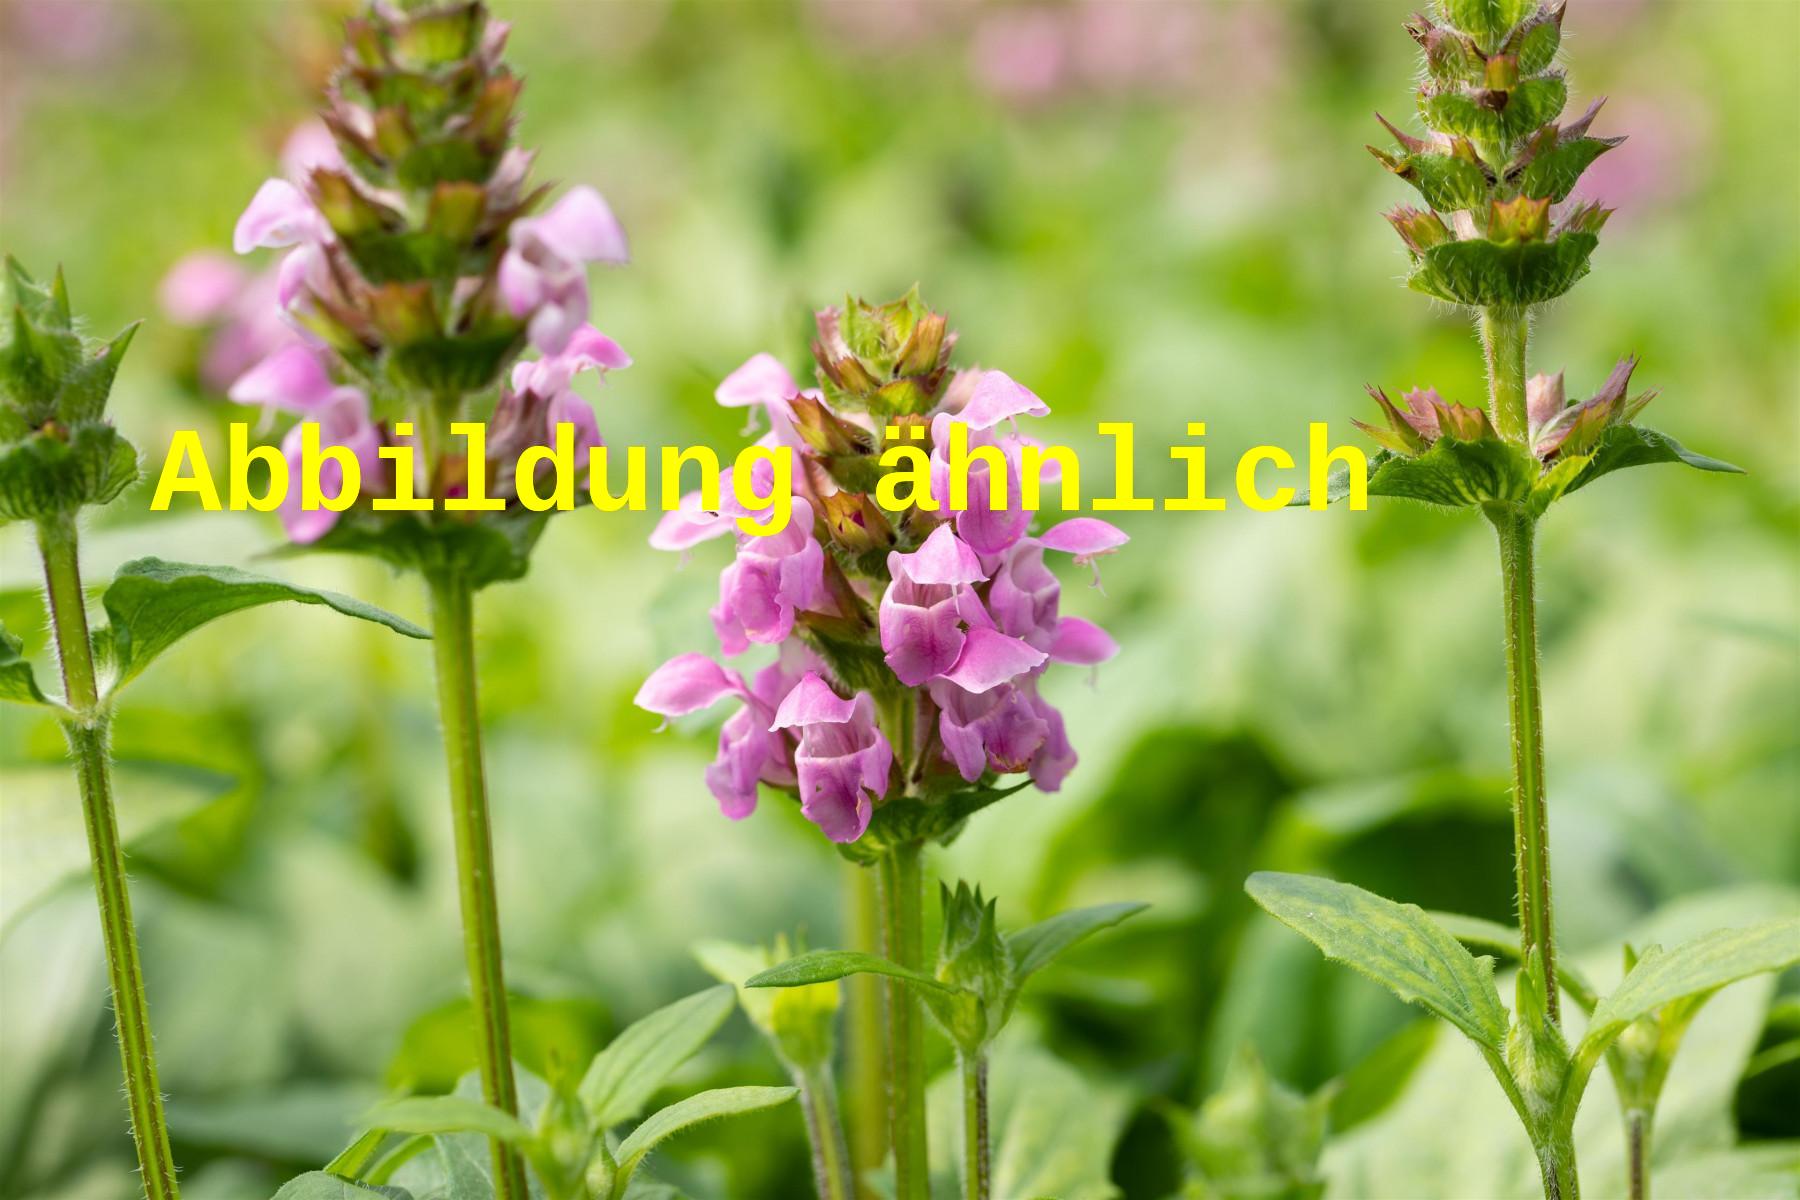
(943, 559)
(998, 398)
(200, 287)
(688, 683)
(1082, 643)
(292, 379)
(989, 658)
(278, 215)
(812, 702)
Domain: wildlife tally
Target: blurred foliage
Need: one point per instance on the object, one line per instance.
(1149, 212)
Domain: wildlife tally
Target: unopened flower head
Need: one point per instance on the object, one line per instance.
(910, 639)
(420, 262)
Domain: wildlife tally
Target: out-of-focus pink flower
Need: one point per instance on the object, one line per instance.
(343, 420)
(843, 760)
(1667, 149)
(278, 215)
(543, 274)
(199, 288)
(1021, 53)
(294, 379)
(308, 147)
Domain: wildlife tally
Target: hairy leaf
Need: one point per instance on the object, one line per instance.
(685, 1114)
(1707, 963)
(1515, 274)
(823, 966)
(1457, 474)
(1396, 945)
(1625, 446)
(1502, 941)
(623, 1076)
(1555, 172)
(317, 1185)
(445, 1114)
(18, 682)
(1036, 945)
(153, 604)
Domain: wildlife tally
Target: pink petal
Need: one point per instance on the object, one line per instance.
(581, 228)
(521, 284)
(687, 683)
(761, 380)
(998, 398)
(1544, 398)
(990, 658)
(310, 145)
(1082, 643)
(567, 406)
(591, 350)
(1084, 537)
(278, 215)
(687, 527)
(292, 379)
(812, 702)
(943, 559)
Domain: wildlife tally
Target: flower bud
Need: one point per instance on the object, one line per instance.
(889, 360)
(1418, 229)
(973, 956)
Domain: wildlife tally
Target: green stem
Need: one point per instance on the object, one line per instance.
(1503, 335)
(825, 1134)
(86, 729)
(453, 646)
(868, 1095)
(976, 1158)
(902, 912)
(1531, 824)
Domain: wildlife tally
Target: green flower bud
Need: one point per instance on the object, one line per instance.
(972, 955)
(57, 450)
(889, 360)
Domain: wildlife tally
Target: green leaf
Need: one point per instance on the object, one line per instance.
(623, 1076)
(1483, 273)
(1036, 945)
(493, 550)
(1625, 446)
(445, 1114)
(154, 604)
(43, 474)
(1502, 941)
(358, 1154)
(1396, 945)
(1371, 1087)
(1555, 172)
(466, 1177)
(1457, 474)
(18, 682)
(1707, 963)
(685, 1114)
(317, 1185)
(823, 966)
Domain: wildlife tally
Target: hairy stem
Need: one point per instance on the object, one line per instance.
(825, 1134)
(1503, 335)
(868, 1096)
(977, 1184)
(1637, 1152)
(1531, 824)
(903, 937)
(453, 645)
(86, 730)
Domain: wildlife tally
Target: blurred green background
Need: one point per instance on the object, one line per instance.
(1146, 211)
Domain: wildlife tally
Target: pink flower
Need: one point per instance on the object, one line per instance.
(543, 273)
(200, 288)
(996, 730)
(1056, 757)
(278, 215)
(843, 760)
(921, 615)
(1087, 538)
(551, 378)
(771, 579)
(293, 379)
(749, 751)
(343, 420)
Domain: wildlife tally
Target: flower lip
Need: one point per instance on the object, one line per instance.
(998, 397)
(812, 702)
(1084, 537)
(943, 559)
(686, 684)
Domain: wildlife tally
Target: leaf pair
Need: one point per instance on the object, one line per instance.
(1420, 960)
(566, 1142)
(959, 1008)
(152, 604)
